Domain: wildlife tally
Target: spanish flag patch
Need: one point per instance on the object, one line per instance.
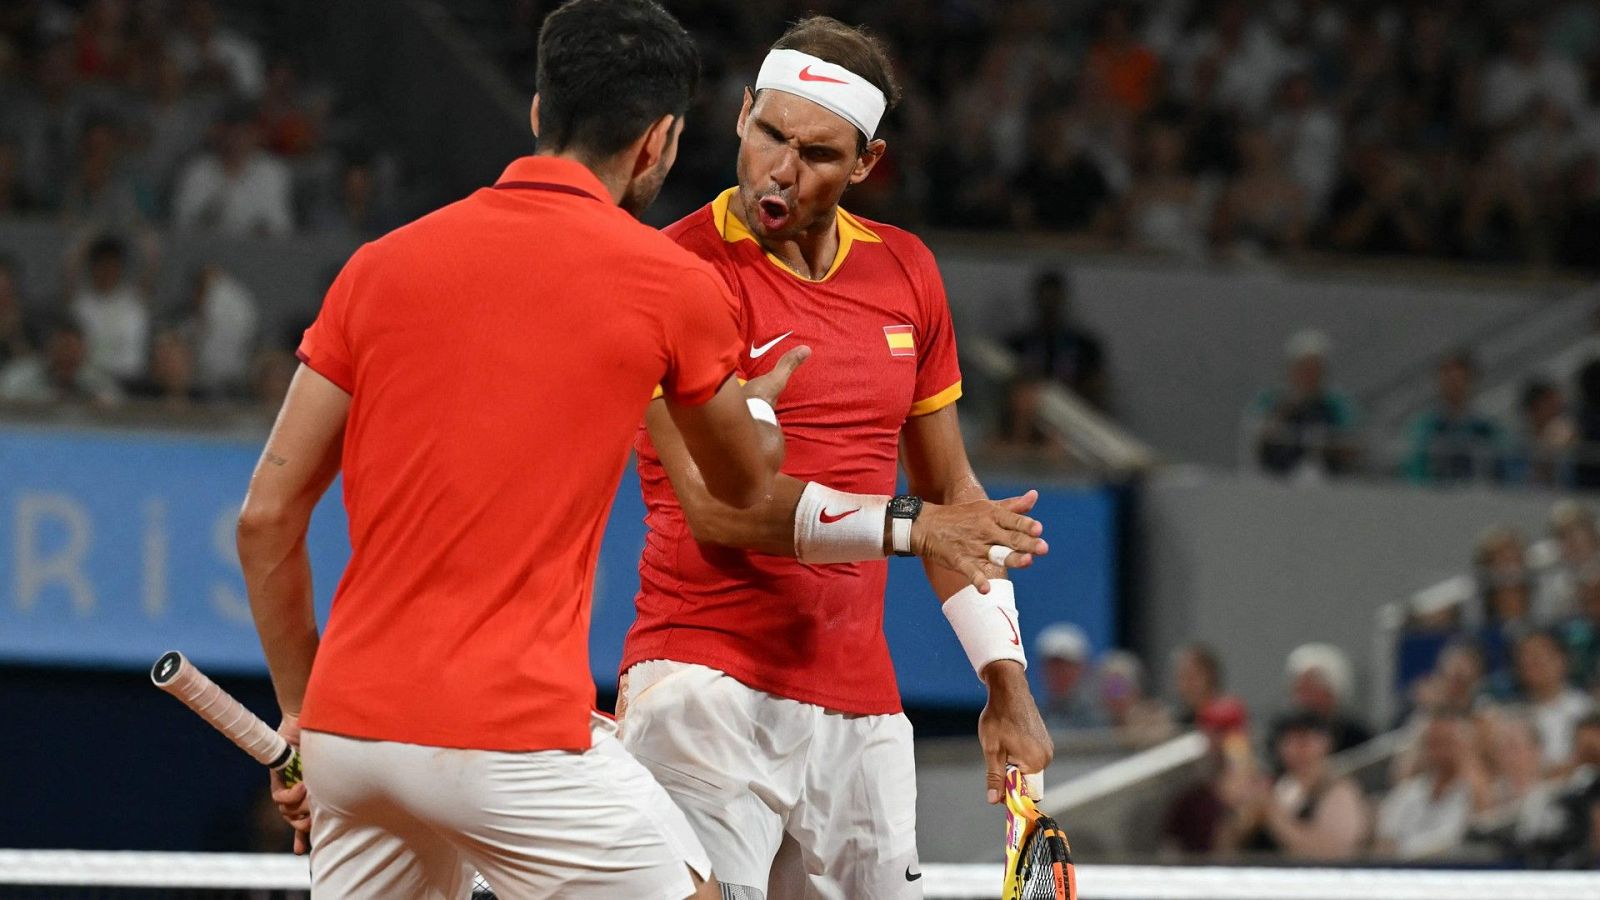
(902, 342)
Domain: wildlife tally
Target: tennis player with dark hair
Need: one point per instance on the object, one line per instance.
(759, 688)
(477, 376)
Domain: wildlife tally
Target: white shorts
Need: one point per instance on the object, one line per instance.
(395, 820)
(790, 800)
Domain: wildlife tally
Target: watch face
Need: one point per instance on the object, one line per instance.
(905, 507)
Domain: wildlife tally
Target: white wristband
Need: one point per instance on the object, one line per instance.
(835, 527)
(987, 623)
(761, 410)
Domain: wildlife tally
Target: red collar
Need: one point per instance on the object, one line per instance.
(552, 174)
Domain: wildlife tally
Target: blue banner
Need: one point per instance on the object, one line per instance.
(116, 547)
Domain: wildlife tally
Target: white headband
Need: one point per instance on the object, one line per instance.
(832, 87)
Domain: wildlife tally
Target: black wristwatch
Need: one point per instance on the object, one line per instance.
(903, 510)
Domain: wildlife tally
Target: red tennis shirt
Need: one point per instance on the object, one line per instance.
(499, 354)
(883, 349)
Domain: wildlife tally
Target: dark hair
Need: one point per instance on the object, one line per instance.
(853, 48)
(1056, 279)
(608, 69)
(1589, 720)
(107, 247)
(1535, 391)
(1460, 357)
(1209, 661)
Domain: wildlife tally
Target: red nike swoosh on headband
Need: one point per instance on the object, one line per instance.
(1015, 638)
(828, 519)
(805, 75)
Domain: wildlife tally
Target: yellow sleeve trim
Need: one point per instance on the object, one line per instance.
(658, 393)
(937, 402)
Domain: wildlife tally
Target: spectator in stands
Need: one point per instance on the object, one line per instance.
(172, 373)
(1452, 443)
(1194, 821)
(1580, 634)
(111, 306)
(100, 41)
(291, 122)
(172, 121)
(1553, 704)
(1514, 771)
(1306, 429)
(1263, 210)
(1456, 682)
(1311, 135)
(1504, 595)
(1554, 829)
(1573, 527)
(1426, 816)
(1309, 813)
(972, 190)
(1139, 719)
(1527, 73)
(238, 189)
(1060, 186)
(220, 327)
(1198, 680)
(1544, 446)
(1586, 471)
(1167, 210)
(62, 374)
(213, 54)
(1069, 699)
(1378, 206)
(1119, 67)
(13, 334)
(101, 194)
(355, 212)
(1055, 347)
(1321, 683)
(46, 123)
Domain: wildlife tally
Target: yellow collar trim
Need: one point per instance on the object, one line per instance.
(851, 230)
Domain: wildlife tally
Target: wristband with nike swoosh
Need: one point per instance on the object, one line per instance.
(986, 624)
(835, 527)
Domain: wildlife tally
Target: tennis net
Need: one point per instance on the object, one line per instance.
(79, 875)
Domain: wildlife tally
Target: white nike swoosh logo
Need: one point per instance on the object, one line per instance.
(758, 352)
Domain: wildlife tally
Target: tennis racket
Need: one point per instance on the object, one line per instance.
(177, 676)
(1038, 857)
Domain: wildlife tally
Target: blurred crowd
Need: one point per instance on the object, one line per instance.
(1496, 757)
(1206, 129)
(1304, 428)
(138, 124)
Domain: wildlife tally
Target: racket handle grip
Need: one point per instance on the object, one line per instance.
(177, 676)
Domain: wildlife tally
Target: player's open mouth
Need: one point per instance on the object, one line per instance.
(774, 213)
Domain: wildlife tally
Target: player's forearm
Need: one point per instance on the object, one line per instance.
(766, 527)
(277, 577)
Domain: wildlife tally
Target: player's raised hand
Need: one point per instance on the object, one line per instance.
(1010, 728)
(959, 536)
(770, 386)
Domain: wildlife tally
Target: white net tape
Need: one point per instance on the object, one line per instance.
(245, 872)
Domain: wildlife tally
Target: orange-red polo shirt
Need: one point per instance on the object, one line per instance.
(499, 354)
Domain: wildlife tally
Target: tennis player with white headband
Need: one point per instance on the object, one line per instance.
(758, 687)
